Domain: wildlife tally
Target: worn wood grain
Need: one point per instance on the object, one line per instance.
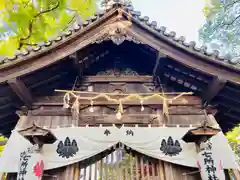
(58, 101)
(21, 91)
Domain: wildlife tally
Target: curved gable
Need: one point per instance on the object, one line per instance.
(140, 28)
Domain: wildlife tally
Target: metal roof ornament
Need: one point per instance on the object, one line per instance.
(109, 3)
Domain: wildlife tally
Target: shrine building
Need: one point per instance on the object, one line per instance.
(118, 97)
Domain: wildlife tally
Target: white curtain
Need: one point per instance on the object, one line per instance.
(9, 160)
(210, 166)
(78, 143)
(90, 141)
(31, 165)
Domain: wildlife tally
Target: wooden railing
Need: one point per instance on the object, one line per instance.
(120, 164)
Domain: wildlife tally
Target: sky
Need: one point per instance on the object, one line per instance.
(184, 17)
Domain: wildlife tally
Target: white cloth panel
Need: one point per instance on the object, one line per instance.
(9, 160)
(31, 166)
(85, 142)
(148, 141)
(210, 166)
(90, 141)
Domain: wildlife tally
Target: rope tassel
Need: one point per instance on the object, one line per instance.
(108, 96)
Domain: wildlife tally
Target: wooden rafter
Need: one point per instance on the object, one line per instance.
(158, 63)
(174, 80)
(186, 78)
(230, 108)
(75, 60)
(144, 34)
(213, 89)
(202, 65)
(236, 118)
(49, 80)
(98, 79)
(21, 91)
(187, 70)
(82, 60)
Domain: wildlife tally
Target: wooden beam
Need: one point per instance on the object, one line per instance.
(214, 87)
(125, 79)
(93, 118)
(159, 58)
(58, 101)
(75, 58)
(21, 91)
(60, 111)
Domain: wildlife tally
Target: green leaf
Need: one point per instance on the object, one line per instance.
(9, 46)
(37, 21)
(2, 4)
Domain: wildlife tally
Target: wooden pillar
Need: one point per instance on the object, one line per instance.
(161, 170)
(69, 172)
(169, 171)
(77, 172)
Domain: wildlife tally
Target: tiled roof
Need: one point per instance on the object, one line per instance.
(161, 31)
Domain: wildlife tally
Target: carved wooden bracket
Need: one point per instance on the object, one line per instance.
(212, 90)
(117, 33)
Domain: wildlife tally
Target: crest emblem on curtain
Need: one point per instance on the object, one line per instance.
(107, 132)
(170, 147)
(67, 149)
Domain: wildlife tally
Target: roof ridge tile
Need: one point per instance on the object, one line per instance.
(162, 31)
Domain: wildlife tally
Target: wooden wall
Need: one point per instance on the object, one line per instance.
(50, 114)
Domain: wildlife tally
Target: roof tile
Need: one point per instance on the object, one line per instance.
(170, 36)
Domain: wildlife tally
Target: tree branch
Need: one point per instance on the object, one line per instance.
(48, 10)
(231, 23)
(221, 25)
(231, 4)
(68, 24)
(27, 4)
(31, 24)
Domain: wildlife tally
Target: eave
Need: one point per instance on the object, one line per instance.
(141, 28)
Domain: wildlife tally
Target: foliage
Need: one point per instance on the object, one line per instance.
(2, 138)
(29, 22)
(222, 28)
(234, 139)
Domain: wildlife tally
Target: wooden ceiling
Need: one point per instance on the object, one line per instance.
(23, 91)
